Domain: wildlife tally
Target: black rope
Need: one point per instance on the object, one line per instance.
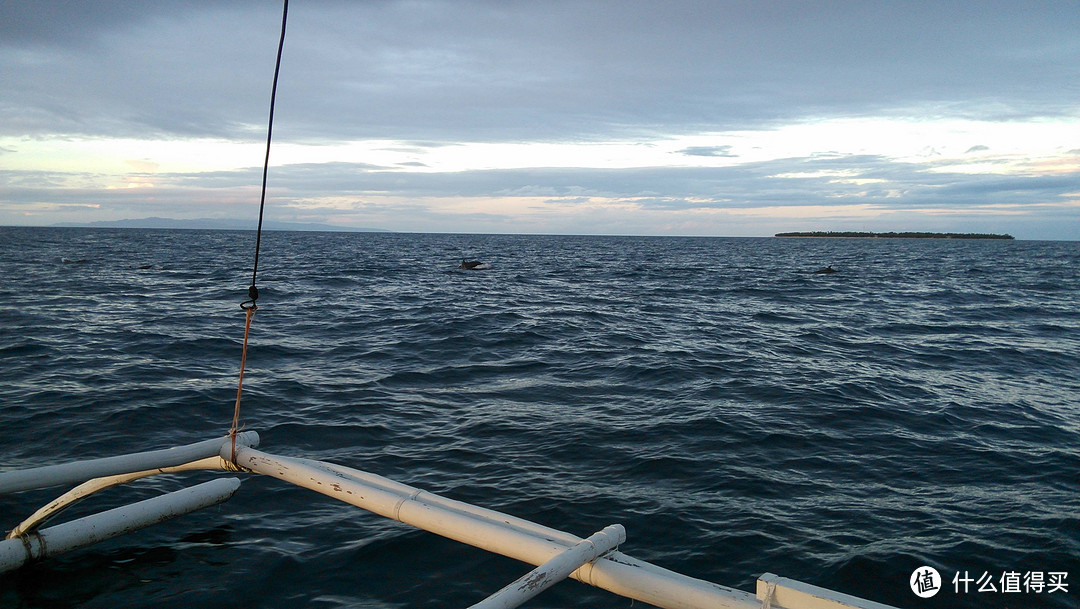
(253, 292)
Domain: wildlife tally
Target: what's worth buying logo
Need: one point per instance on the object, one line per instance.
(925, 582)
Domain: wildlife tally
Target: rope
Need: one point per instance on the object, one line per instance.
(240, 384)
(253, 292)
(770, 590)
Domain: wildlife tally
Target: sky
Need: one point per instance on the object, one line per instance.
(673, 117)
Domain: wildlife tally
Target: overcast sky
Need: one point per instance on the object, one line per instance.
(681, 118)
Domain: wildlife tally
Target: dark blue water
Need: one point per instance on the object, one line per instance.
(738, 414)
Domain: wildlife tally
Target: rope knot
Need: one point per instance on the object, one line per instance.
(253, 295)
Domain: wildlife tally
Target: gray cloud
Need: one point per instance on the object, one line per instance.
(489, 71)
(739, 187)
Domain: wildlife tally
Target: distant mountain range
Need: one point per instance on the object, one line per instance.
(216, 224)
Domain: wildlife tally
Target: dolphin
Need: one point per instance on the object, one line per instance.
(825, 271)
(469, 265)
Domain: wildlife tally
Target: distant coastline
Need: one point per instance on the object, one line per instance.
(906, 235)
(215, 224)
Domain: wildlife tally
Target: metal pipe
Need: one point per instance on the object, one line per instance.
(495, 532)
(89, 530)
(81, 471)
(554, 570)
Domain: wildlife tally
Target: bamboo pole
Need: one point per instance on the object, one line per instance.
(495, 532)
(81, 471)
(554, 570)
(104, 525)
(84, 490)
(780, 592)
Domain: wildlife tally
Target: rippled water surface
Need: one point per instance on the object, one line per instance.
(736, 412)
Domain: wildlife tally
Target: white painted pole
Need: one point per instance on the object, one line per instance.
(495, 532)
(555, 570)
(81, 471)
(85, 531)
(505, 520)
(61, 503)
(784, 592)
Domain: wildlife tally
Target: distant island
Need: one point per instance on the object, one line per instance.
(910, 235)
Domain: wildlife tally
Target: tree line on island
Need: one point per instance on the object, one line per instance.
(904, 235)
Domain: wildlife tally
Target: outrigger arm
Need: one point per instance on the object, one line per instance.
(594, 561)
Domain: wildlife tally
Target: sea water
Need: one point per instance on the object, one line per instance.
(736, 412)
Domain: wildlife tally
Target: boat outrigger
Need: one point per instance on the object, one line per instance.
(595, 560)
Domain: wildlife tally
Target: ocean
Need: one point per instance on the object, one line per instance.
(736, 412)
